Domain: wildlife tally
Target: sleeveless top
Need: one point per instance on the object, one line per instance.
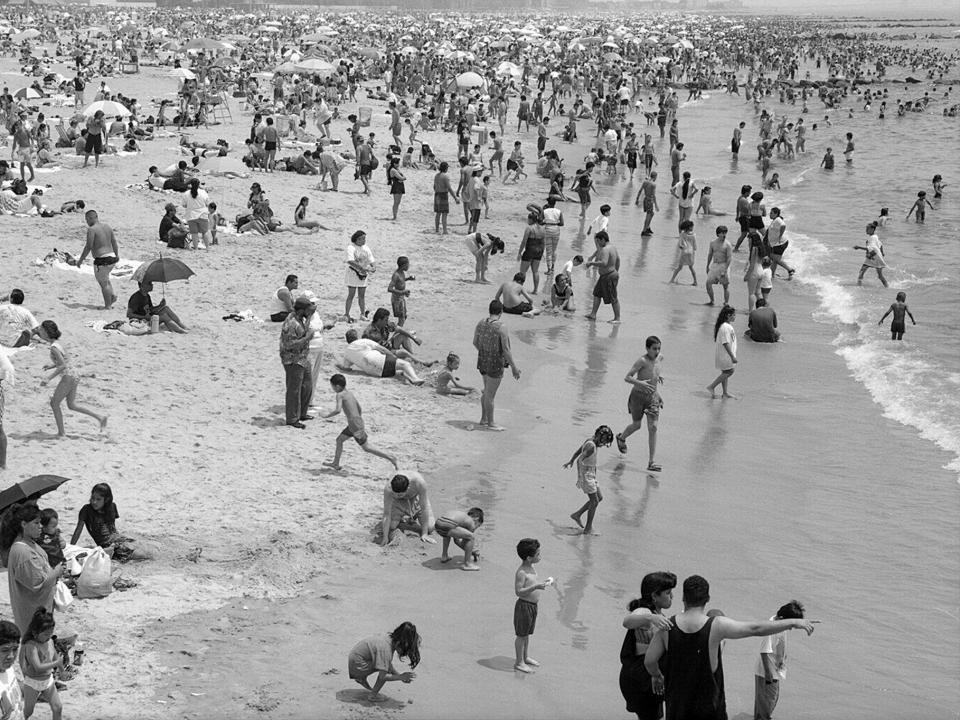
(693, 691)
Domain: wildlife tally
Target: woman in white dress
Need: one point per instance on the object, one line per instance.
(725, 339)
(360, 264)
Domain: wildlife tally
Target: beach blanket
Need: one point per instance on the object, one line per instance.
(107, 328)
(242, 316)
(148, 187)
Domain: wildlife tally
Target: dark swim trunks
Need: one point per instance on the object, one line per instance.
(443, 526)
(389, 367)
(533, 250)
(524, 617)
(518, 309)
(606, 288)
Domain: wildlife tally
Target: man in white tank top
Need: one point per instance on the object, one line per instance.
(281, 303)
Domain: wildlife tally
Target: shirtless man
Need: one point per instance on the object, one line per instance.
(607, 262)
(649, 192)
(102, 245)
(718, 264)
(405, 503)
(644, 376)
(462, 528)
(743, 214)
(515, 299)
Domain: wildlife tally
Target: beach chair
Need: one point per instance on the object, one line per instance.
(64, 139)
(364, 113)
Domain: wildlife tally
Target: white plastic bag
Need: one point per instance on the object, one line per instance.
(62, 597)
(94, 580)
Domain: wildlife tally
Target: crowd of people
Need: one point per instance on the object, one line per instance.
(547, 77)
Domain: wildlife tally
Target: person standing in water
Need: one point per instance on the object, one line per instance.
(644, 377)
(900, 311)
(873, 257)
(725, 339)
(586, 460)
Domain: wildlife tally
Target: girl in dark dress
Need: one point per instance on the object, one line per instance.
(643, 621)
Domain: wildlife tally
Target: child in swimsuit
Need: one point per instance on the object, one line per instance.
(447, 382)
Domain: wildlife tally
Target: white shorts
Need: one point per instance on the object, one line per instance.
(38, 685)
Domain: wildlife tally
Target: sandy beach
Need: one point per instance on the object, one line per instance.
(266, 571)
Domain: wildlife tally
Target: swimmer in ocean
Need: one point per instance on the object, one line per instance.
(920, 206)
(900, 310)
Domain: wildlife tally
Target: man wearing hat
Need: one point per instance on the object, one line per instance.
(295, 337)
(172, 230)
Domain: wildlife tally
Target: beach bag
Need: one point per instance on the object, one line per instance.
(62, 597)
(94, 580)
(374, 163)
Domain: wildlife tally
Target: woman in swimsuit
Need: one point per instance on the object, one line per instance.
(69, 379)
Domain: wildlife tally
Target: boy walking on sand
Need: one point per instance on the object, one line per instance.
(586, 459)
(771, 666)
(528, 596)
(347, 402)
(900, 311)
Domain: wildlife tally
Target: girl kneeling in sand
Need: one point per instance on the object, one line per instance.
(375, 655)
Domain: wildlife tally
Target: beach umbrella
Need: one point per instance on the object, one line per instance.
(171, 45)
(28, 34)
(652, 40)
(27, 93)
(508, 68)
(314, 66)
(409, 50)
(204, 44)
(284, 68)
(611, 45)
(662, 59)
(592, 40)
(469, 80)
(162, 270)
(268, 29)
(612, 57)
(684, 44)
(110, 109)
(225, 62)
(36, 485)
(367, 52)
(314, 37)
(182, 73)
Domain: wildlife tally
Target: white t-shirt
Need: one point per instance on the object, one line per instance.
(362, 255)
(768, 646)
(775, 232)
(196, 207)
(687, 201)
(14, 319)
(600, 222)
(727, 335)
(363, 355)
(7, 373)
(766, 278)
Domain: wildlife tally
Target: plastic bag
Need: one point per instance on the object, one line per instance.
(95, 581)
(62, 597)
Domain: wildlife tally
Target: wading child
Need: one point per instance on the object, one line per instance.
(687, 246)
(561, 294)
(375, 655)
(38, 660)
(644, 401)
(515, 164)
(462, 528)
(398, 289)
(899, 309)
(69, 380)
(447, 382)
(528, 591)
(355, 428)
(586, 459)
(771, 666)
(920, 207)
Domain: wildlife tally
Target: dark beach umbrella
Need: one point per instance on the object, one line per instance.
(19, 492)
(163, 270)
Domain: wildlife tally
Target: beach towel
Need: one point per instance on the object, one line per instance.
(123, 268)
(113, 327)
(242, 316)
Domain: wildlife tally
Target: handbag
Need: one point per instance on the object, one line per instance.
(62, 597)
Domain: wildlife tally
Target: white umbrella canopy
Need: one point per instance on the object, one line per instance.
(469, 80)
(314, 66)
(109, 108)
(182, 74)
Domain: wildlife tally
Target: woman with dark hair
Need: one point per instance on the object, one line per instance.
(685, 191)
(195, 201)
(31, 580)
(725, 338)
(375, 655)
(642, 622)
(396, 179)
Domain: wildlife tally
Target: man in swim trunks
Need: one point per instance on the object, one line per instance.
(355, 428)
(607, 261)
(102, 245)
(462, 528)
(515, 298)
(644, 400)
(649, 192)
(718, 264)
(96, 128)
(743, 214)
(405, 504)
(372, 359)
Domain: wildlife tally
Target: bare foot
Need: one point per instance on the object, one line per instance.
(377, 698)
(471, 567)
(590, 317)
(444, 559)
(729, 396)
(496, 428)
(103, 423)
(576, 519)
(589, 531)
(523, 667)
(531, 661)
(333, 465)
(428, 539)
(614, 322)
(712, 392)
